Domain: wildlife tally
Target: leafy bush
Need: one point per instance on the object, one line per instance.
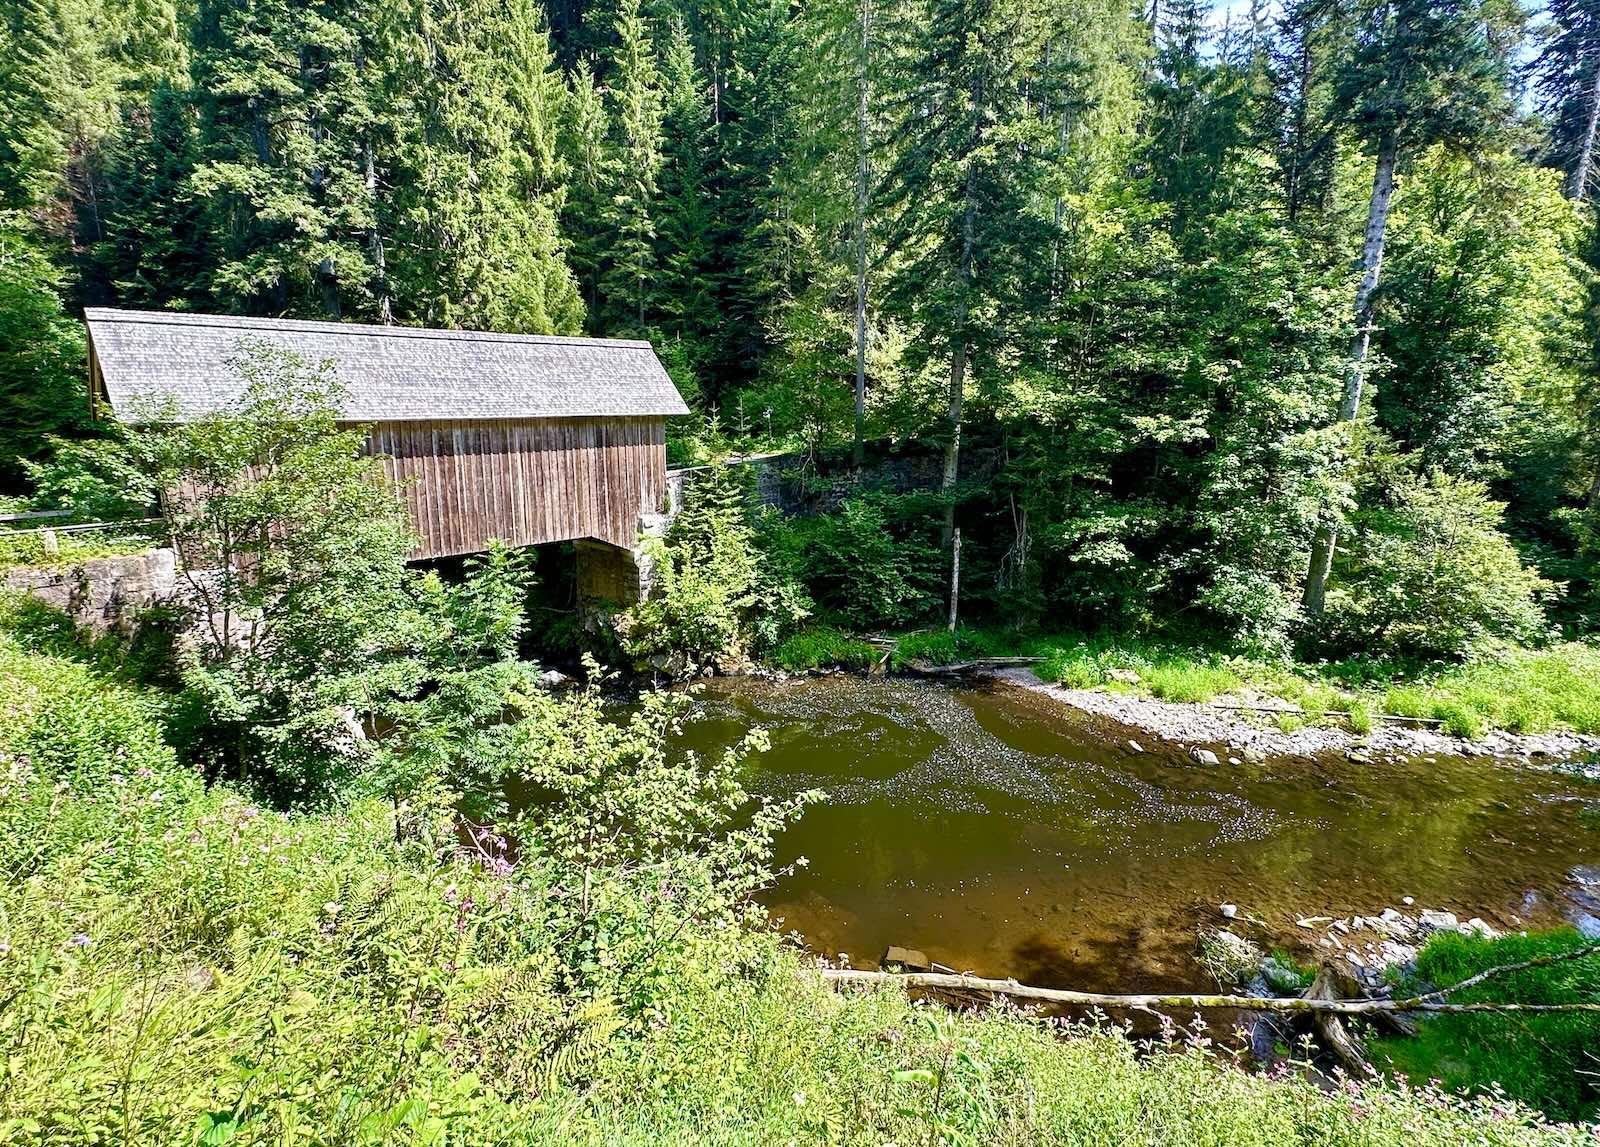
(1431, 575)
(869, 564)
(1546, 1061)
(715, 594)
(823, 645)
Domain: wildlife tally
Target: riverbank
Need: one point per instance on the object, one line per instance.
(1256, 732)
(185, 963)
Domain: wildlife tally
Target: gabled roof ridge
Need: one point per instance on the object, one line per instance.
(324, 326)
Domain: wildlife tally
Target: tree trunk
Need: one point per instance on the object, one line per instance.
(380, 273)
(958, 356)
(861, 234)
(1327, 538)
(955, 577)
(1580, 170)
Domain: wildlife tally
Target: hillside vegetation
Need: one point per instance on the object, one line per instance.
(187, 965)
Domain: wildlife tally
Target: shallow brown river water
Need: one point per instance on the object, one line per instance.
(1002, 833)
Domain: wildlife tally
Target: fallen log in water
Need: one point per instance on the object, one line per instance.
(976, 665)
(1305, 1005)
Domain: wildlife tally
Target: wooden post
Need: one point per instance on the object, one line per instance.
(955, 574)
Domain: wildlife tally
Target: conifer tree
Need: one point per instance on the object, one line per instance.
(966, 169)
(283, 110)
(682, 300)
(1567, 80)
(635, 105)
(476, 181)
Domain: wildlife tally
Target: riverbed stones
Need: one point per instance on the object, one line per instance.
(1136, 746)
(904, 959)
(1204, 756)
(1435, 920)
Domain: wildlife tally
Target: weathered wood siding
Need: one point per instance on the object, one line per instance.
(525, 482)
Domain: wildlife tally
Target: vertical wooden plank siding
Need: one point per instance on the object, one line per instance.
(525, 481)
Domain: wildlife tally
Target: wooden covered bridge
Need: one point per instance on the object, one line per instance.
(528, 439)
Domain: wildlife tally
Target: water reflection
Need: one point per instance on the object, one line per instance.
(997, 832)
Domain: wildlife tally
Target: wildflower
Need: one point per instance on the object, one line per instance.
(81, 940)
(799, 1099)
(332, 907)
(5, 947)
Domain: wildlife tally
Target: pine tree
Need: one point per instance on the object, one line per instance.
(682, 299)
(1567, 79)
(154, 253)
(966, 170)
(634, 91)
(284, 109)
(474, 186)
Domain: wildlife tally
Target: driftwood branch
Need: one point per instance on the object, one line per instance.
(1336, 1007)
(1393, 718)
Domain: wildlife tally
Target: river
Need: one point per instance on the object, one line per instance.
(1002, 833)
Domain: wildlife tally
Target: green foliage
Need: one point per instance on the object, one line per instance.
(1545, 1061)
(869, 564)
(819, 646)
(29, 549)
(1429, 574)
(1524, 691)
(1171, 673)
(294, 556)
(41, 352)
(715, 593)
(181, 959)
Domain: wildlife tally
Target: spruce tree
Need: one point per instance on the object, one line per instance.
(966, 170)
(635, 105)
(682, 299)
(475, 183)
(1567, 81)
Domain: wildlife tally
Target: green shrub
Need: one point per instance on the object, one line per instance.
(869, 564)
(1546, 1061)
(1430, 574)
(1359, 719)
(935, 646)
(823, 645)
(716, 592)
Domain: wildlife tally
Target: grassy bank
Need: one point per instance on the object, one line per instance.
(1550, 1061)
(1518, 690)
(184, 965)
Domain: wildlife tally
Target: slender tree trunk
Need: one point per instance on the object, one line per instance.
(1580, 170)
(1301, 126)
(380, 271)
(1327, 538)
(958, 360)
(861, 233)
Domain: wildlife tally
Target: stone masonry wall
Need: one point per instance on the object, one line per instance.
(103, 594)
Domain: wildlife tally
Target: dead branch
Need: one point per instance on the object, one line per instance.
(1338, 1007)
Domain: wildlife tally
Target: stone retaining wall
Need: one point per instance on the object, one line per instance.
(103, 594)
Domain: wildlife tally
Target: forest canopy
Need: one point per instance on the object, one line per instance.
(1278, 320)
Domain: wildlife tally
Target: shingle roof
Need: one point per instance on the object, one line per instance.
(391, 374)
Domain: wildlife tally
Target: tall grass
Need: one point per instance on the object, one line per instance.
(185, 966)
